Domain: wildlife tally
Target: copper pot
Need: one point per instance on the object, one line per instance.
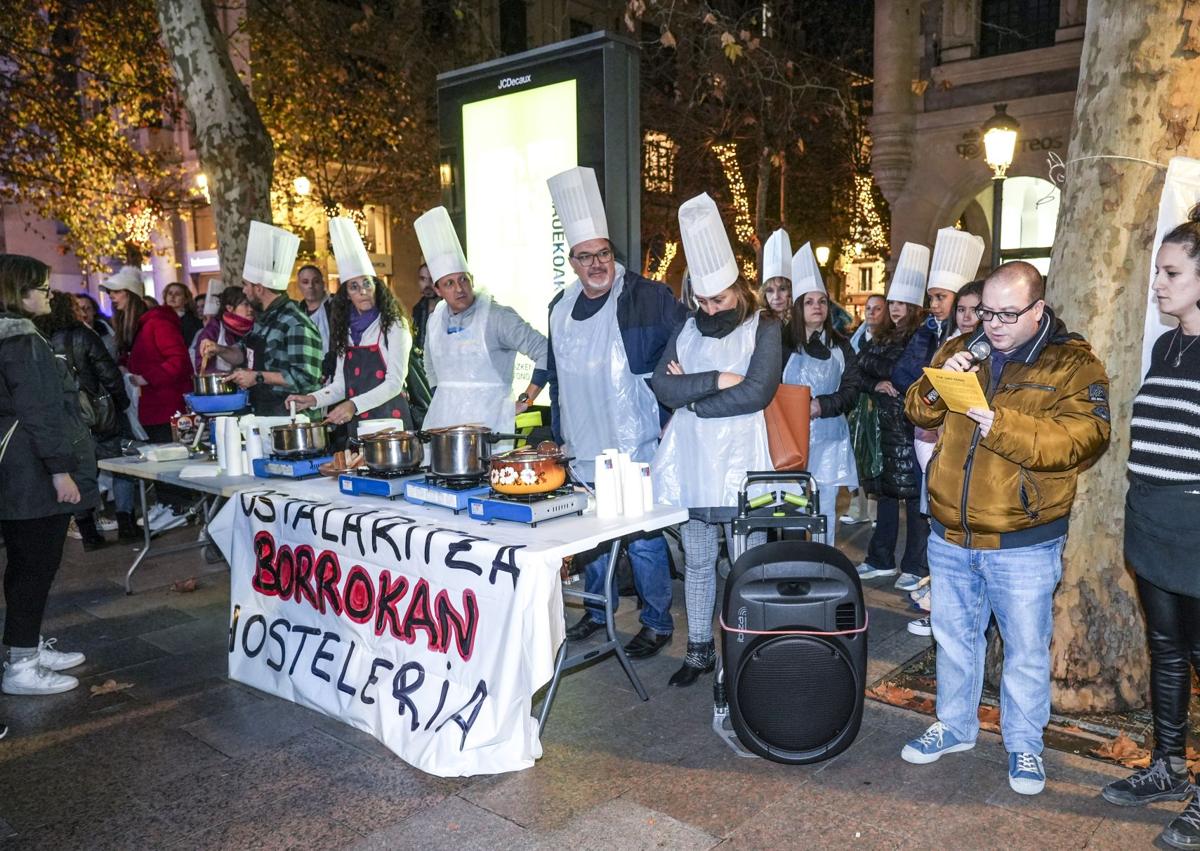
(529, 470)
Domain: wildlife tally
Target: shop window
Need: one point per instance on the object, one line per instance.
(204, 229)
(1009, 26)
(658, 162)
(1027, 221)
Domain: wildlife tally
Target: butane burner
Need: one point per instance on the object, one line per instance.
(446, 492)
(529, 508)
(290, 467)
(365, 482)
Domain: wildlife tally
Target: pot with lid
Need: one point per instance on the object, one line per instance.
(462, 451)
(390, 451)
(529, 470)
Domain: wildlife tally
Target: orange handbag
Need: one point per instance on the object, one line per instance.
(787, 426)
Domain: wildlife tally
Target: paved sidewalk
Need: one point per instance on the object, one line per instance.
(184, 758)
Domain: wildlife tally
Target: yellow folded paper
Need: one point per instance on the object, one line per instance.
(959, 390)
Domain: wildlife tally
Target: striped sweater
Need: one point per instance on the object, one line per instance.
(1165, 430)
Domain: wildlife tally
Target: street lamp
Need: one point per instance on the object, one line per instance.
(302, 185)
(822, 253)
(999, 146)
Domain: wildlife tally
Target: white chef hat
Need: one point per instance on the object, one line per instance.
(270, 255)
(439, 243)
(580, 208)
(353, 261)
(128, 278)
(956, 256)
(908, 279)
(806, 273)
(706, 247)
(777, 256)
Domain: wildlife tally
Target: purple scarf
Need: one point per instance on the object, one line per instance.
(360, 322)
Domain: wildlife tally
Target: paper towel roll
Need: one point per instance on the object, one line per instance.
(254, 449)
(219, 426)
(631, 490)
(647, 482)
(246, 468)
(231, 439)
(607, 487)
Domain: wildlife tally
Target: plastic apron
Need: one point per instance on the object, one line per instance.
(830, 455)
(602, 405)
(363, 369)
(469, 389)
(702, 460)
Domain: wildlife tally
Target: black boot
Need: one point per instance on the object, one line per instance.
(1156, 782)
(1184, 829)
(701, 658)
(92, 539)
(127, 530)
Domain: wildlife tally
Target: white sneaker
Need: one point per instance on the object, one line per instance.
(56, 660)
(31, 677)
(104, 524)
(851, 520)
(867, 570)
(921, 626)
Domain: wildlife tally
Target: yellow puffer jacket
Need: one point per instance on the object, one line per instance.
(1015, 486)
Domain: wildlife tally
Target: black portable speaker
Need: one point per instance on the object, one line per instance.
(794, 651)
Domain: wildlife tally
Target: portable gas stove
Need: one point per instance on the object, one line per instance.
(292, 467)
(454, 494)
(531, 509)
(365, 482)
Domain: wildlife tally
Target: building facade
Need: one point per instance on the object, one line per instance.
(941, 67)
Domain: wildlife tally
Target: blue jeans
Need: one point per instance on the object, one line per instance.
(123, 494)
(1017, 585)
(881, 552)
(651, 575)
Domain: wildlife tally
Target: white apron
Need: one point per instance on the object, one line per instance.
(469, 389)
(830, 456)
(602, 405)
(702, 460)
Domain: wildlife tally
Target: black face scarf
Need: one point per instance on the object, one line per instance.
(815, 346)
(720, 324)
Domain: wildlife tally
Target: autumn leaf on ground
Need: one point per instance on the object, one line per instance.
(110, 687)
(1124, 750)
(989, 718)
(185, 586)
(888, 693)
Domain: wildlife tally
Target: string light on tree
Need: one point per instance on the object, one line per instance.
(670, 249)
(868, 227)
(743, 228)
(140, 223)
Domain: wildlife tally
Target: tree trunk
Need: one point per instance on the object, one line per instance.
(761, 193)
(235, 150)
(1136, 98)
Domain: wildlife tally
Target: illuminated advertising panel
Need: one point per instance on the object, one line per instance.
(510, 145)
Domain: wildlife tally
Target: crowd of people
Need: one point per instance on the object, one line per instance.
(681, 384)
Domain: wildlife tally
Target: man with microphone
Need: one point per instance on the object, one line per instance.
(1001, 483)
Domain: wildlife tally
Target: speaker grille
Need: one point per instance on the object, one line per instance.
(796, 693)
(846, 617)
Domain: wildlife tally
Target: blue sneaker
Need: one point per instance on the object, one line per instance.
(931, 744)
(1026, 775)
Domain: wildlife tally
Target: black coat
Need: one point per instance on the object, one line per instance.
(94, 368)
(39, 412)
(901, 477)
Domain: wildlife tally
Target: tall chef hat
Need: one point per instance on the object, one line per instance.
(439, 243)
(806, 273)
(353, 261)
(711, 263)
(777, 256)
(908, 279)
(580, 208)
(128, 278)
(270, 255)
(956, 256)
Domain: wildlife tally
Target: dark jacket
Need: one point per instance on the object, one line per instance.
(160, 357)
(39, 411)
(901, 477)
(699, 390)
(94, 368)
(647, 315)
(841, 401)
(919, 352)
(1015, 487)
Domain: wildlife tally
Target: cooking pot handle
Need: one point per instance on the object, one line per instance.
(496, 437)
(354, 443)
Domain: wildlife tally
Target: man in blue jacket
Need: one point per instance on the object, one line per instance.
(608, 330)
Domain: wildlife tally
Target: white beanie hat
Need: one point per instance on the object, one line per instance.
(908, 279)
(806, 273)
(270, 256)
(353, 261)
(128, 278)
(579, 206)
(777, 256)
(439, 243)
(706, 247)
(956, 256)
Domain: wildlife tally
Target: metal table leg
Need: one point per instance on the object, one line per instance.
(202, 540)
(612, 644)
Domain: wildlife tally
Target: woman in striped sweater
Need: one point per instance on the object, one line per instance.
(1162, 536)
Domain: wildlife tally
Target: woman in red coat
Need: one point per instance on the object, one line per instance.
(160, 359)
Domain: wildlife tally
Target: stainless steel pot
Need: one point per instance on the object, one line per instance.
(212, 384)
(461, 451)
(299, 439)
(390, 451)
